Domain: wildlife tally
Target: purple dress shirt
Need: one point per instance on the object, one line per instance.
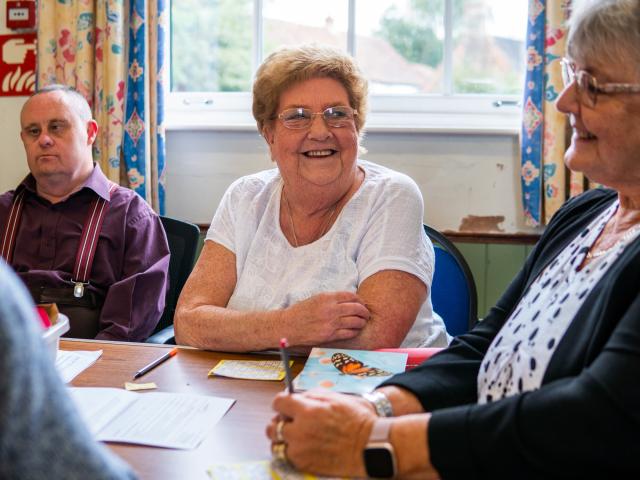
(130, 267)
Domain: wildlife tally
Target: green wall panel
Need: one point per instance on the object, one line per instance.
(476, 256)
(493, 267)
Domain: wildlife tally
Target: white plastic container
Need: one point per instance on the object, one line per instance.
(52, 335)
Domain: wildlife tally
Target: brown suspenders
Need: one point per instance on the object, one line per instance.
(88, 241)
(11, 229)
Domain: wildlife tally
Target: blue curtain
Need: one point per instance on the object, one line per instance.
(144, 137)
(532, 117)
(543, 127)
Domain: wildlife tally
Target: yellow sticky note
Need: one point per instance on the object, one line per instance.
(250, 369)
(261, 470)
(132, 387)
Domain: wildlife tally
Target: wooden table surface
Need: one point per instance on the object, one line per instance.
(238, 437)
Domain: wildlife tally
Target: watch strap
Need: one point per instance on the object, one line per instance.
(380, 431)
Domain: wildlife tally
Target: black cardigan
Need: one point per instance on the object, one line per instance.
(584, 421)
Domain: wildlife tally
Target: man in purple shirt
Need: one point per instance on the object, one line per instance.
(50, 221)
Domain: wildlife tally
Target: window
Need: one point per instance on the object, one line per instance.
(439, 57)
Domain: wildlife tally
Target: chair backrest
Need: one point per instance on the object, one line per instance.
(453, 291)
(183, 238)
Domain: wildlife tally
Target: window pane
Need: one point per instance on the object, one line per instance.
(488, 50)
(399, 45)
(292, 22)
(211, 45)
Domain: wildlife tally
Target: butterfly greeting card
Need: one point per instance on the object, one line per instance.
(348, 371)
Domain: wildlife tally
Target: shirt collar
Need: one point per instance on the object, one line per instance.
(96, 182)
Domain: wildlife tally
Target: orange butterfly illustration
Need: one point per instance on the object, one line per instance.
(351, 366)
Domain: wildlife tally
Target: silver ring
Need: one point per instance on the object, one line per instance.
(279, 452)
(279, 427)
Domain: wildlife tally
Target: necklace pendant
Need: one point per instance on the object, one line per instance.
(627, 235)
(324, 227)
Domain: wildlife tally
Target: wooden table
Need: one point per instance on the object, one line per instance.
(239, 436)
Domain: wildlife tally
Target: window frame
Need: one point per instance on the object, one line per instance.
(445, 112)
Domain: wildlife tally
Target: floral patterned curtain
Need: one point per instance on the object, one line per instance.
(543, 128)
(84, 44)
(80, 44)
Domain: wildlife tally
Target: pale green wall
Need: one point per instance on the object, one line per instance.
(493, 267)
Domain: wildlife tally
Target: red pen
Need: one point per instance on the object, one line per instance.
(44, 317)
(284, 355)
(155, 363)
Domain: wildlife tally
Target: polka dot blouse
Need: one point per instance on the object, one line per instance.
(519, 355)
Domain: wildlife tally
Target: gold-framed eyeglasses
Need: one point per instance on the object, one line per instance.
(587, 85)
(298, 118)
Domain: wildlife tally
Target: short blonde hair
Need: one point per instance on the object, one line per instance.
(290, 65)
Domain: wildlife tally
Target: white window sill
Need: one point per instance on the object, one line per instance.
(471, 115)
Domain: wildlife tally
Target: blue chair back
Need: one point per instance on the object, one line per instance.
(453, 291)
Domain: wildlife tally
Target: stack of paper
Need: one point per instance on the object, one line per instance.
(170, 420)
(71, 364)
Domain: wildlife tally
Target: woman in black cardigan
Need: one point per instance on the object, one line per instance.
(548, 384)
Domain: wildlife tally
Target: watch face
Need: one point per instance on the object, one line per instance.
(379, 462)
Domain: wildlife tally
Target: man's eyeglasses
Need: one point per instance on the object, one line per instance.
(588, 86)
(298, 118)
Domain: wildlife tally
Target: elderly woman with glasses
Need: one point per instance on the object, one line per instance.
(326, 249)
(548, 384)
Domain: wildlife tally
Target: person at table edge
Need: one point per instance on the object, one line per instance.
(42, 435)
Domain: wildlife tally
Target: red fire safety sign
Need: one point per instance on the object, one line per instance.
(17, 64)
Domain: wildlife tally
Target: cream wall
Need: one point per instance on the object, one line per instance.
(13, 164)
(469, 182)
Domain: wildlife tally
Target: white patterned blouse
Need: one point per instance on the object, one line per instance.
(518, 357)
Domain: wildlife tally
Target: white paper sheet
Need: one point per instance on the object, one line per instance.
(159, 419)
(71, 363)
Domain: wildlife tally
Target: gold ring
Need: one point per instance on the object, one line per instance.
(279, 451)
(279, 427)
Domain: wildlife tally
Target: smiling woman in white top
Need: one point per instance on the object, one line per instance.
(326, 249)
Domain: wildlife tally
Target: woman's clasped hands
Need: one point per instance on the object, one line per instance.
(326, 317)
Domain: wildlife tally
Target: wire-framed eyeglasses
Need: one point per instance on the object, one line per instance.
(298, 118)
(587, 85)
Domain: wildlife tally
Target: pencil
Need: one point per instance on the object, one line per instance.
(284, 355)
(155, 363)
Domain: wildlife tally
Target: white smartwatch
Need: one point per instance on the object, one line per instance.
(379, 456)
